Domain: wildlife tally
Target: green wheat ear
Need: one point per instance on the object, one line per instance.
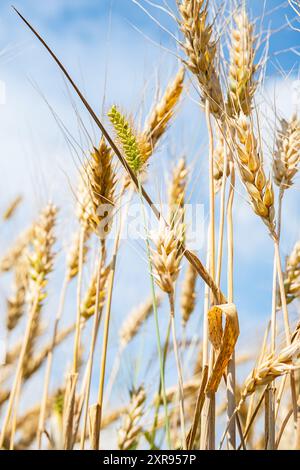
(127, 139)
(58, 404)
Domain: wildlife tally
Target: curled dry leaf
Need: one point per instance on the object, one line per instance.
(222, 339)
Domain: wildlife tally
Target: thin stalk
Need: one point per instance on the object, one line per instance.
(205, 362)
(179, 372)
(157, 331)
(231, 402)
(211, 433)
(156, 413)
(15, 416)
(106, 331)
(222, 218)
(42, 416)
(19, 370)
(78, 298)
(96, 322)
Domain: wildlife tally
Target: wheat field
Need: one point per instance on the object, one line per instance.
(130, 318)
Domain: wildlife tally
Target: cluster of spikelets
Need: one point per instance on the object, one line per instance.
(139, 146)
(219, 160)
(292, 274)
(15, 304)
(96, 191)
(166, 256)
(136, 319)
(41, 256)
(74, 254)
(130, 430)
(201, 49)
(88, 305)
(287, 152)
(259, 188)
(272, 367)
(241, 79)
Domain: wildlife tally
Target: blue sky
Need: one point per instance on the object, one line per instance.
(34, 149)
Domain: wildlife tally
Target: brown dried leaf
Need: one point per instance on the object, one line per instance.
(222, 339)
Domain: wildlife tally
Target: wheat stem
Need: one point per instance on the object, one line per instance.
(43, 407)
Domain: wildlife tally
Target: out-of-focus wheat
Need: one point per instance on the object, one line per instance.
(287, 152)
(129, 432)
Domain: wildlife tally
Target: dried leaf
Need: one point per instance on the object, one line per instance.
(223, 340)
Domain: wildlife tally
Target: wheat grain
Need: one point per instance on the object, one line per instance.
(272, 367)
(260, 190)
(73, 255)
(188, 294)
(161, 114)
(177, 190)
(166, 258)
(88, 306)
(242, 84)
(218, 161)
(132, 148)
(287, 152)
(16, 302)
(11, 209)
(132, 324)
(292, 274)
(11, 257)
(201, 50)
(129, 433)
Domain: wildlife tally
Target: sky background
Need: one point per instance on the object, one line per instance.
(118, 54)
